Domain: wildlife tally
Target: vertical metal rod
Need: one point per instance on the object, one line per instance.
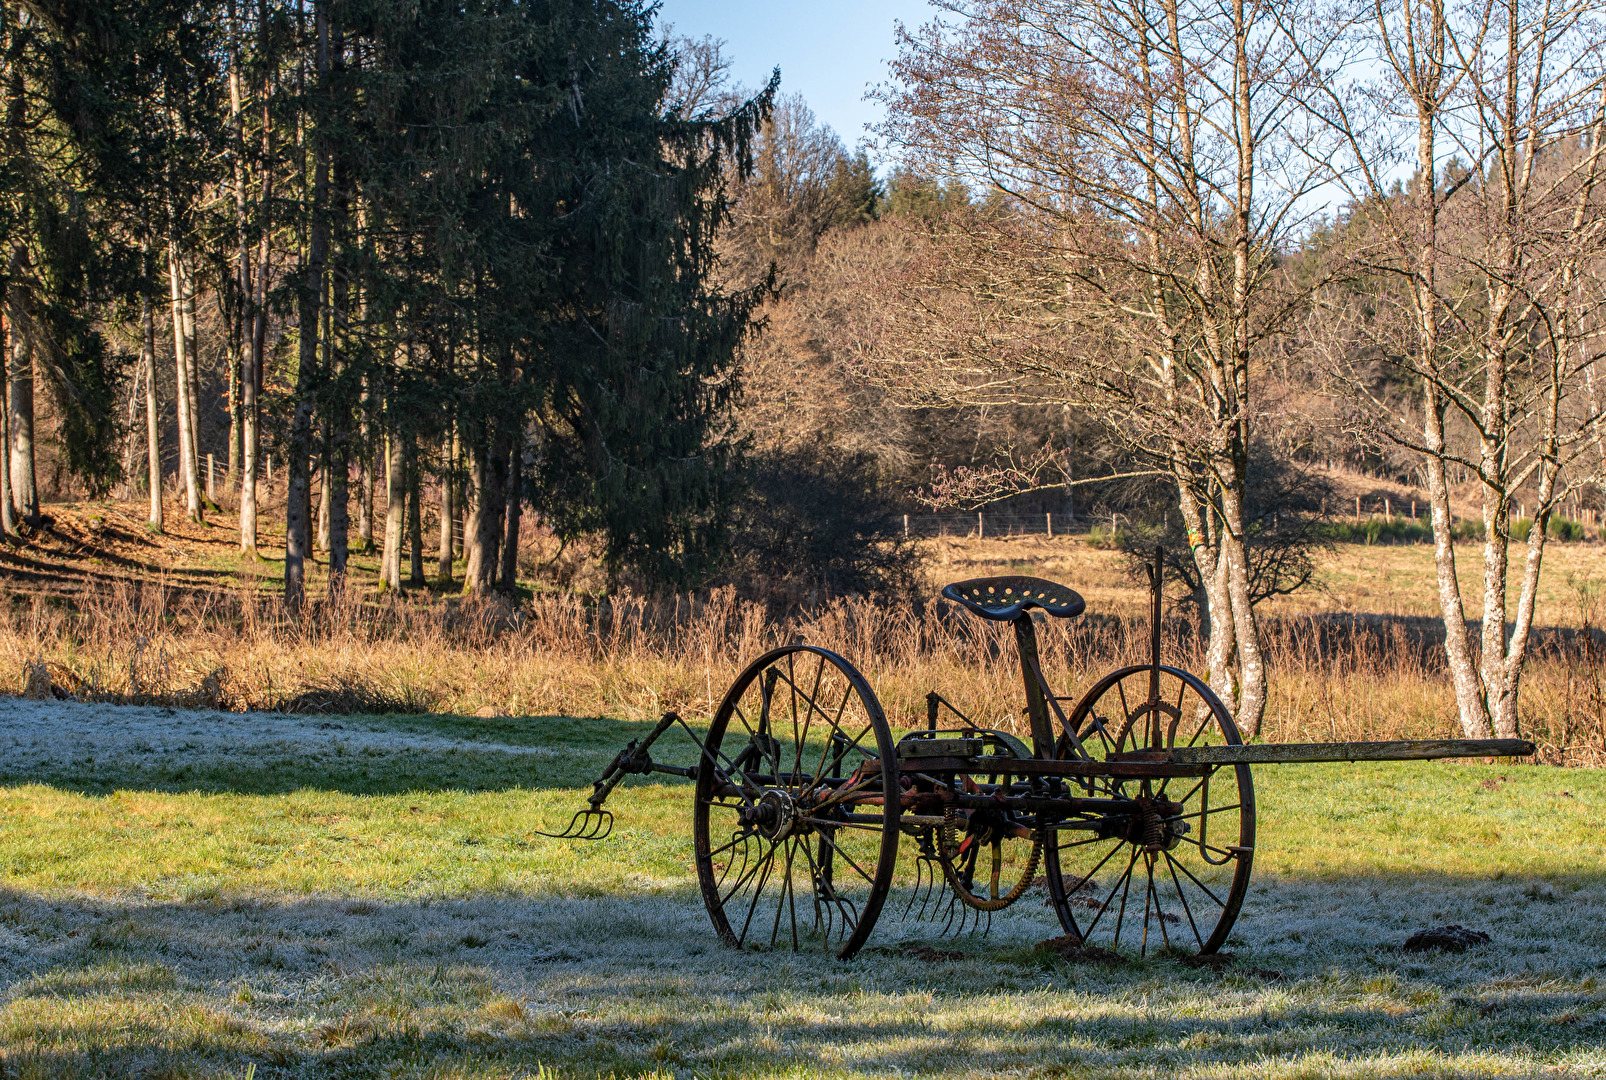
(1154, 645)
(1036, 702)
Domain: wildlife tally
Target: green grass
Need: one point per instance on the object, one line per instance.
(393, 915)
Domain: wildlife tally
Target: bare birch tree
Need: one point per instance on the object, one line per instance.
(1491, 260)
(1142, 177)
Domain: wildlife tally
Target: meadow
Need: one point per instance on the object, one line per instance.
(232, 846)
(199, 894)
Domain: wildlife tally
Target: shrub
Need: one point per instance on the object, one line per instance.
(1400, 531)
(807, 529)
(1107, 537)
(1557, 528)
(1381, 531)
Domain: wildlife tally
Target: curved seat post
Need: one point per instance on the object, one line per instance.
(1036, 703)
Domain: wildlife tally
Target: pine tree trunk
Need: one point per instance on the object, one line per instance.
(448, 509)
(459, 521)
(309, 313)
(153, 420)
(365, 470)
(460, 497)
(337, 482)
(251, 378)
(483, 534)
(395, 511)
(415, 518)
(192, 363)
(473, 507)
(515, 498)
(8, 509)
(365, 497)
(324, 488)
(250, 442)
(187, 465)
(236, 430)
(129, 437)
(241, 329)
(24, 479)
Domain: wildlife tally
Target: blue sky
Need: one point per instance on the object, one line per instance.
(830, 51)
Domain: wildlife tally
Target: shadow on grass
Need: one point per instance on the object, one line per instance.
(181, 751)
(504, 985)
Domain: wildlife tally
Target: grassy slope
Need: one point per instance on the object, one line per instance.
(385, 924)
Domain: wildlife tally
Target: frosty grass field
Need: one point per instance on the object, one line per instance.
(203, 894)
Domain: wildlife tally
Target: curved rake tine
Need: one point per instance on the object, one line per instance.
(953, 902)
(586, 824)
(914, 893)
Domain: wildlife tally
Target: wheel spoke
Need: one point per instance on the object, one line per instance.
(726, 847)
(1104, 905)
(1213, 810)
(1171, 865)
(786, 885)
(1090, 840)
(825, 751)
(833, 823)
(1125, 885)
(752, 905)
(848, 859)
(746, 877)
(1127, 719)
(1089, 875)
(1202, 886)
(800, 740)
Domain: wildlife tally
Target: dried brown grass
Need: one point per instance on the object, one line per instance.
(1333, 678)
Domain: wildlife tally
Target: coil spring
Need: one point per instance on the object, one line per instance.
(1154, 836)
(948, 847)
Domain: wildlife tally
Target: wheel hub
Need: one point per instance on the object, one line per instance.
(1156, 826)
(774, 816)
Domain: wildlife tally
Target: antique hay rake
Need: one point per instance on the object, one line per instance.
(1135, 809)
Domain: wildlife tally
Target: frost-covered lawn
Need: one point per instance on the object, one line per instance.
(197, 894)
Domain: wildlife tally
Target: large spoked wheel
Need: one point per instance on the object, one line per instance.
(1164, 863)
(796, 819)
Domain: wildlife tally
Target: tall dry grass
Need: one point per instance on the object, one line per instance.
(632, 657)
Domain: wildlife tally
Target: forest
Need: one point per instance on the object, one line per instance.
(441, 275)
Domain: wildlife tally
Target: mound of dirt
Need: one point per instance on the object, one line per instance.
(1445, 938)
(1069, 948)
(930, 954)
(1214, 961)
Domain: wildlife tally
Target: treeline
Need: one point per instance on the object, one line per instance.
(470, 243)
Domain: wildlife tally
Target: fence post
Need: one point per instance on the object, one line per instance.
(979, 532)
(1050, 518)
(211, 492)
(906, 524)
(1413, 509)
(1388, 510)
(1357, 508)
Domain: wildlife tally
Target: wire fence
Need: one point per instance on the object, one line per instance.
(998, 523)
(991, 523)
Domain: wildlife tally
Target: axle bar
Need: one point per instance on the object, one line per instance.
(1132, 765)
(1294, 753)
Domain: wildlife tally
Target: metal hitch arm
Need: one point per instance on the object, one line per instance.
(595, 823)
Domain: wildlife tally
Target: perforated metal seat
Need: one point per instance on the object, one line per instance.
(1005, 598)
